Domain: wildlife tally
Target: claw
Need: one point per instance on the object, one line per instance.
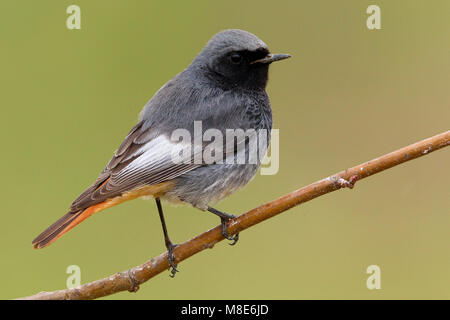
(225, 234)
(171, 259)
(234, 238)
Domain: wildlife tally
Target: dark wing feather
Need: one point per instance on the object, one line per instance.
(143, 158)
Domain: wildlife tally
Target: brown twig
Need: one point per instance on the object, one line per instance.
(131, 279)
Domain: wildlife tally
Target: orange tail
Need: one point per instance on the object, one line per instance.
(63, 225)
(71, 219)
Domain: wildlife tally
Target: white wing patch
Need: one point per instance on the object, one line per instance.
(156, 158)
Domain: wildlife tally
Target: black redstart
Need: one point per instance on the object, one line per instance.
(222, 89)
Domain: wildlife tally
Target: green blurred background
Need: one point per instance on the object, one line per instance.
(348, 95)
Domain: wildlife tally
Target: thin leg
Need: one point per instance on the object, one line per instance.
(224, 218)
(169, 245)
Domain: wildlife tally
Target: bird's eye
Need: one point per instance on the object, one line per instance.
(236, 58)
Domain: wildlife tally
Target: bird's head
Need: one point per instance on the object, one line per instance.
(237, 58)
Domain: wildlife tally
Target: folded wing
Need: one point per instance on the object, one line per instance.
(144, 158)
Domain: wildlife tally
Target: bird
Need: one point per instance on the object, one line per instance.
(224, 88)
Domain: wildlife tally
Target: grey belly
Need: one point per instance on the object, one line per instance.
(206, 185)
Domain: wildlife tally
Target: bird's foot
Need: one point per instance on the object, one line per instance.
(224, 218)
(225, 234)
(171, 259)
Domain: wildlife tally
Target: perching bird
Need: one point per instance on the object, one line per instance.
(222, 89)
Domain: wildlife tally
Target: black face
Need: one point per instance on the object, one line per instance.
(235, 68)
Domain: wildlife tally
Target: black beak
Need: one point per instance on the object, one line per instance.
(271, 58)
